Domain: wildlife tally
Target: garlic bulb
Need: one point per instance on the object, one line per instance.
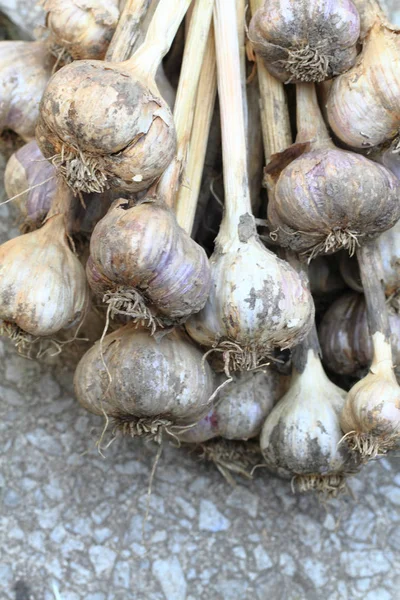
(364, 103)
(42, 284)
(257, 301)
(27, 169)
(328, 199)
(240, 407)
(81, 28)
(143, 382)
(104, 124)
(390, 160)
(300, 439)
(306, 40)
(371, 415)
(143, 248)
(25, 68)
(344, 336)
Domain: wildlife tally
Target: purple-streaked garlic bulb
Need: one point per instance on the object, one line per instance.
(300, 439)
(104, 124)
(257, 301)
(42, 283)
(241, 407)
(144, 383)
(28, 171)
(141, 250)
(323, 278)
(327, 199)
(25, 68)
(364, 104)
(345, 339)
(80, 29)
(306, 40)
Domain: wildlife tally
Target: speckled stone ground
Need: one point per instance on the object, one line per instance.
(71, 520)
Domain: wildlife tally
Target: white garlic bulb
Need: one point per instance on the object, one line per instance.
(301, 437)
(43, 286)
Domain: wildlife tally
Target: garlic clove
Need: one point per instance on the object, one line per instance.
(306, 40)
(42, 283)
(131, 375)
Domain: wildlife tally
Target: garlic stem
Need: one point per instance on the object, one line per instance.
(241, 24)
(371, 277)
(127, 30)
(275, 122)
(237, 195)
(301, 352)
(159, 37)
(188, 193)
(63, 203)
(310, 124)
(195, 48)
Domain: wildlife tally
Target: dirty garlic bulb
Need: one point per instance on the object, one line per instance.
(371, 414)
(306, 40)
(364, 104)
(25, 68)
(104, 124)
(300, 439)
(257, 301)
(42, 283)
(344, 336)
(145, 383)
(241, 407)
(28, 171)
(80, 28)
(327, 199)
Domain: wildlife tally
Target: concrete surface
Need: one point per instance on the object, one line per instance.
(71, 520)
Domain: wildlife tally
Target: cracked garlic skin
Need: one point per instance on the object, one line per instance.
(160, 377)
(82, 28)
(25, 68)
(306, 40)
(372, 407)
(102, 127)
(144, 248)
(257, 301)
(364, 104)
(241, 407)
(301, 435)
(43, 286)
(26, 169)
(327, 199)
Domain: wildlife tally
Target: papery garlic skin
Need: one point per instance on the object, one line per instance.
(241, 407)
(27, 168)
(162, 378)
(372, 407)
(125, 143)
(306, 40)
(257, 301)
(328, 198)
(302, 433)
(83, 28)
(42, 283)
(25, 68)
(144, 248)
(364, 103)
